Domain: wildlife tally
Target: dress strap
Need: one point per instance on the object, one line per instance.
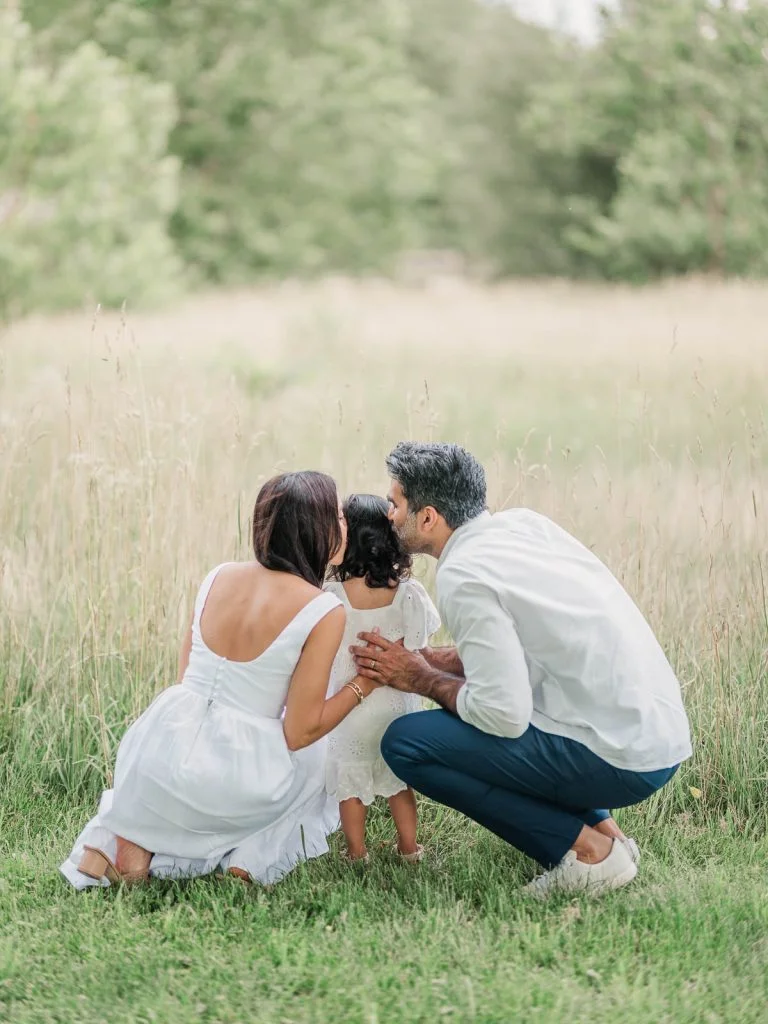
(205, 589)
(314, 611)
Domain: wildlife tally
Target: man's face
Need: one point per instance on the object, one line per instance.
(405, 523)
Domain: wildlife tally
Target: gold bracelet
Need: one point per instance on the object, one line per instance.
(357, 691)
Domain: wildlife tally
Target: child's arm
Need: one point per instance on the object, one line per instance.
(426, 624)
(422, 621)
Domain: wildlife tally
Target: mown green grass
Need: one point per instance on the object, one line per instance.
(452, 938)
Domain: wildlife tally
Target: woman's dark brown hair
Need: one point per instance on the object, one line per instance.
(296, 525)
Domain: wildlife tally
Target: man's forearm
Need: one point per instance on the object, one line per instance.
(444, 659)
(441, 687)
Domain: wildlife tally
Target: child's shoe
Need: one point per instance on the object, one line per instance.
(365, 859)
(412, 858)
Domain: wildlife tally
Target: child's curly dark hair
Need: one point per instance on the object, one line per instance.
(373, 550)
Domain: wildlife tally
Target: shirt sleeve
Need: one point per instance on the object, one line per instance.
(421, 618)
(496, 696)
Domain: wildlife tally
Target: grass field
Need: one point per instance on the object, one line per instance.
(131, 449)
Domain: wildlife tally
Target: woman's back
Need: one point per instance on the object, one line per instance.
(249, 627)
(247, 607)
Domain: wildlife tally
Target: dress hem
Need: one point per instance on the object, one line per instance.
(267, 855)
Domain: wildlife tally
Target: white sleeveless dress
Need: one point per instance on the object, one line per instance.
(205, 778)
(355, 767)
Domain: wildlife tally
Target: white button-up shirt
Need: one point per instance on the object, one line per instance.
(549, 637)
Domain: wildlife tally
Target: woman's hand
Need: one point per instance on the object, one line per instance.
(366, 682)
(367, 685)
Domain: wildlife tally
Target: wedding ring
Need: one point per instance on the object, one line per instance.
(373, 663)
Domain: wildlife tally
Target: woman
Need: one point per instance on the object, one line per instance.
(224, 769)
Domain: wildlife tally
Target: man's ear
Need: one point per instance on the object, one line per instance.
(430, 517)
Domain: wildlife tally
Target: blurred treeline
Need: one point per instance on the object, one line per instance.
(152, 145)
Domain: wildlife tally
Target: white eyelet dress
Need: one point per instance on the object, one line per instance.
(355, 767)
(205, 780)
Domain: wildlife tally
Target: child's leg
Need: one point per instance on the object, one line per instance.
(403, 809)
(353, 813)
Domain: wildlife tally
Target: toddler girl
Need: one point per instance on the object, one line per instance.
(373, 584)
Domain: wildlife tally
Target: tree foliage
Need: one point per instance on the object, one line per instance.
(339, 134)
(86, 185)
(500, 197)
(303, 136)
(665, 127)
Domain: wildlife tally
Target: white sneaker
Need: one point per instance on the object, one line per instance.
(572, 875)
(632, 849)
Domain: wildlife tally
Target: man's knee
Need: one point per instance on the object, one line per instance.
(397, 744)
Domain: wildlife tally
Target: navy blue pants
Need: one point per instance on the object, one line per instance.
(537, 792)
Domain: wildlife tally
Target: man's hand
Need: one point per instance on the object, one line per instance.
(390, 664)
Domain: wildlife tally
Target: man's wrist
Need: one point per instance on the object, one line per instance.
(425, 680)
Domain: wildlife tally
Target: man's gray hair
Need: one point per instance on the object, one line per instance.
(445, 476)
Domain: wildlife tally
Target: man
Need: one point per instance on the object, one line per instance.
(557, 700)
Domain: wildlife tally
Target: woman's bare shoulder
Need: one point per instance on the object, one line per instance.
(250, 579)
(256, 570)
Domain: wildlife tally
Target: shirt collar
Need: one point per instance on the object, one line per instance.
(461, 531)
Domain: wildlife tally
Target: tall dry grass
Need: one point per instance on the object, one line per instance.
(132, 447)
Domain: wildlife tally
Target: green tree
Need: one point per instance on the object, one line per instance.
(304, 137)
(665, 128)
(85, 186)
(500, 198)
